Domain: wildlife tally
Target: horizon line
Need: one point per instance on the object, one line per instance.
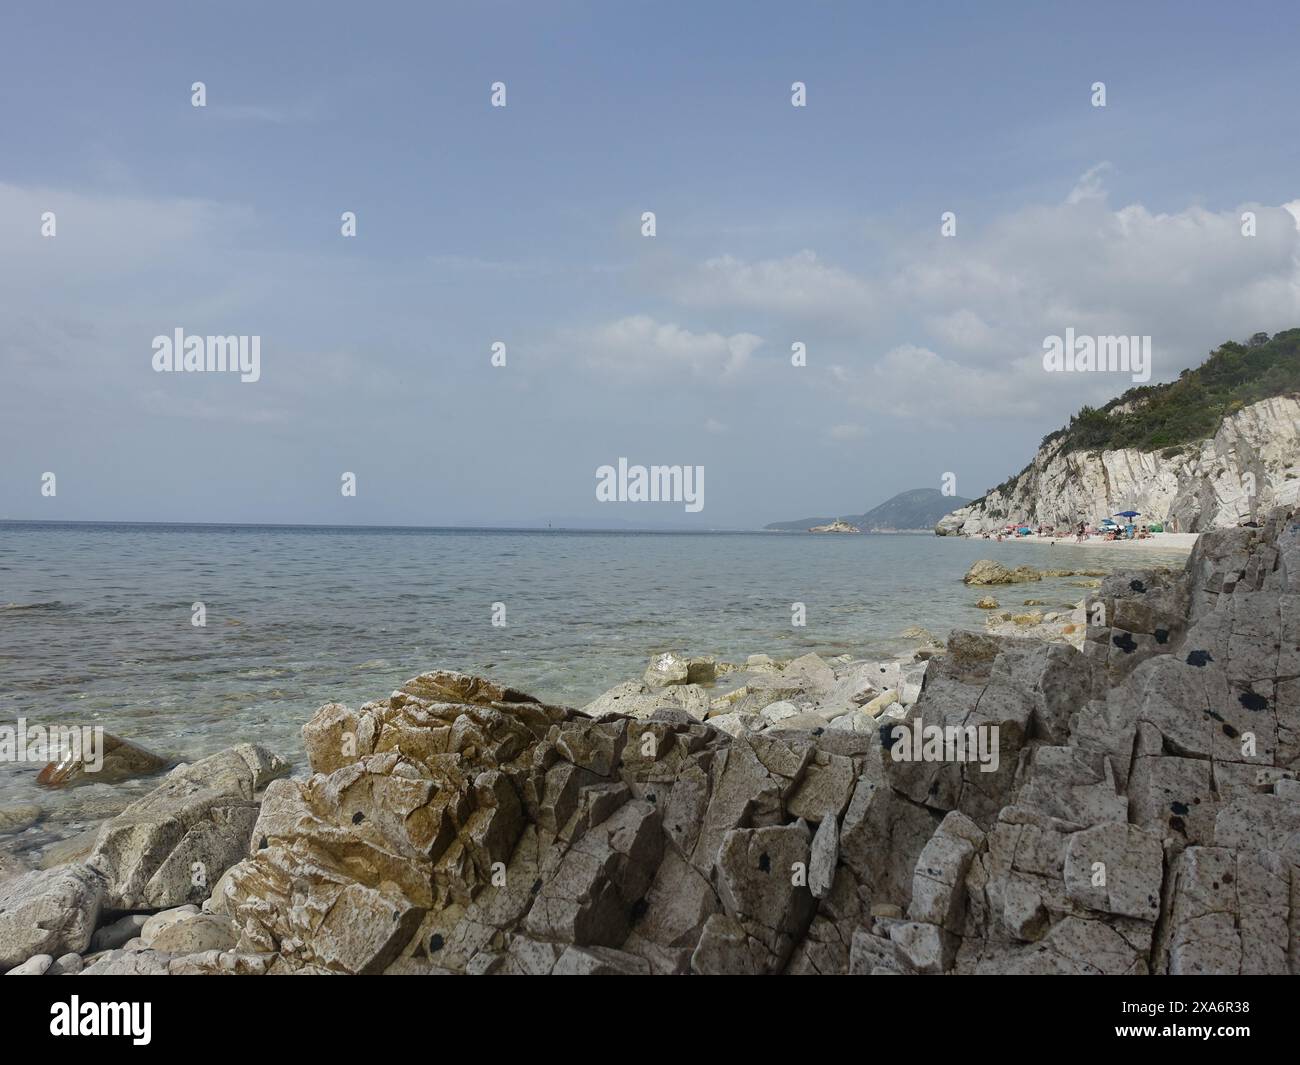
(362, 525)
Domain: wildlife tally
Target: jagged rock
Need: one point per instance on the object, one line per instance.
(170, 846)
(987, 602)
(825, 789)
(825, 855)
(986, 571)
(666, 669)
(702, 669)
(1115, 868)
(878, 705)
(48, 912)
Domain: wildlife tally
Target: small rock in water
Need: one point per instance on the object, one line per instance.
(17, 818)
(68, 850)
(12, 866)
(986, 571)
(121, 760)
(666, 669)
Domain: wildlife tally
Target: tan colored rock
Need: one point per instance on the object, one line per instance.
(196, 934)
(121, 760)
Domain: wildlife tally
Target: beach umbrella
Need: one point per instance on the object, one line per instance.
(1128, 514)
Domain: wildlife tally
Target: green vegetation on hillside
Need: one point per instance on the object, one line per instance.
(1165, 417)
(1168, 417)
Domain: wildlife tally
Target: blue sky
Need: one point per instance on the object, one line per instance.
(522, 224)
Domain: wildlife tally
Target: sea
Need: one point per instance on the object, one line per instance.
(98, 621)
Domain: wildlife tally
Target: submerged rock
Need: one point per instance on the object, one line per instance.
(986, 571)
(122, 760)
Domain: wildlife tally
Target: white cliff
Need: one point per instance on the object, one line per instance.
(1250, 465)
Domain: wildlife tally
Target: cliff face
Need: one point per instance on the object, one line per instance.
(1205, 486)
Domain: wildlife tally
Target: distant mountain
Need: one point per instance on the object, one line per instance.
(910, 511)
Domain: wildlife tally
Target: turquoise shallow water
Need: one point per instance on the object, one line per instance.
(95, 620)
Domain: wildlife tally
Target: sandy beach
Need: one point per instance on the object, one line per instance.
(1156, 542)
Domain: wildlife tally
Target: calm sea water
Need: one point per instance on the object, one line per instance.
(95, 619)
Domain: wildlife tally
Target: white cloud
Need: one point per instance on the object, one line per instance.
(800, 285)
(963, 329)
(968, 314)
(915, 382)
(639, 346)
(1091, 185)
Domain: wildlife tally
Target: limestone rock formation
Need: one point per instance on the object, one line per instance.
(1251, 465)
(986, 571)
(170, 846)
(48, 912)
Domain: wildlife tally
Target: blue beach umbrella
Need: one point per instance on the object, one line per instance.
(1128, 514)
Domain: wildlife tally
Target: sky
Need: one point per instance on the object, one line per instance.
(775, 225)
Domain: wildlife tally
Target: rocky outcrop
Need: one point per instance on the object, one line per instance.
(1249, 466)
(170, 846)
(1127, 808)
(835, 527)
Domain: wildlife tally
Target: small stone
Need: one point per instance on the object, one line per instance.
(114, 935)
(14, 819)
(67, 965)
(33, 966)
(165, 919)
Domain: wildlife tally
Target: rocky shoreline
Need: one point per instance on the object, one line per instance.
(1139, 812)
